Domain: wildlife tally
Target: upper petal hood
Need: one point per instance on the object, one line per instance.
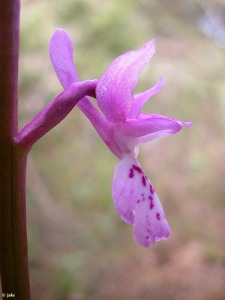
(116, 85)
(61, 54)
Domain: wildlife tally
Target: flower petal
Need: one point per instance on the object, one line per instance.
(150, 127)
(142, 98)
(115, 87)
(150, 222)
(157, 135)
(137, 203)
(124, 191)
(61, 54)
(187, 124)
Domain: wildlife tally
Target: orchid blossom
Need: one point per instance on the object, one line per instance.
(123, 126)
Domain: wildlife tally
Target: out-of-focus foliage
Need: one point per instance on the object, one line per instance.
(79, 248)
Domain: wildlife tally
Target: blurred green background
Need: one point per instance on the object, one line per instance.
(78, 247)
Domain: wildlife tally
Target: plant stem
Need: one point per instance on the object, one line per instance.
(13, 236)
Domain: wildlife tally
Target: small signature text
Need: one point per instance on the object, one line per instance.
(8, 295)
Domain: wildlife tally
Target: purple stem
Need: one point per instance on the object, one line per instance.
(13, 236)
(14, 148)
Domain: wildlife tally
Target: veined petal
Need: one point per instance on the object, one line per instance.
(187, 124)
(141, 98)
(115, 87)
(156, 135)
(137, 202)
(61, 54)
(150, 127)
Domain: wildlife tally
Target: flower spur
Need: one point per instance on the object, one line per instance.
(123, 126)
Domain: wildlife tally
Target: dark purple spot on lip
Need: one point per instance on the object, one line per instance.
(138, 169)
(150, 197)
(158, 216)
(147, 237)
(151, 205)
(138, 201)
(131, 174)
(152, 191)
(143, 180)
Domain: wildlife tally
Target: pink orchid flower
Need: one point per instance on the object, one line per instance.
(123, 126)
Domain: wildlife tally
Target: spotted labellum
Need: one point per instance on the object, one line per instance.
(123, 126)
